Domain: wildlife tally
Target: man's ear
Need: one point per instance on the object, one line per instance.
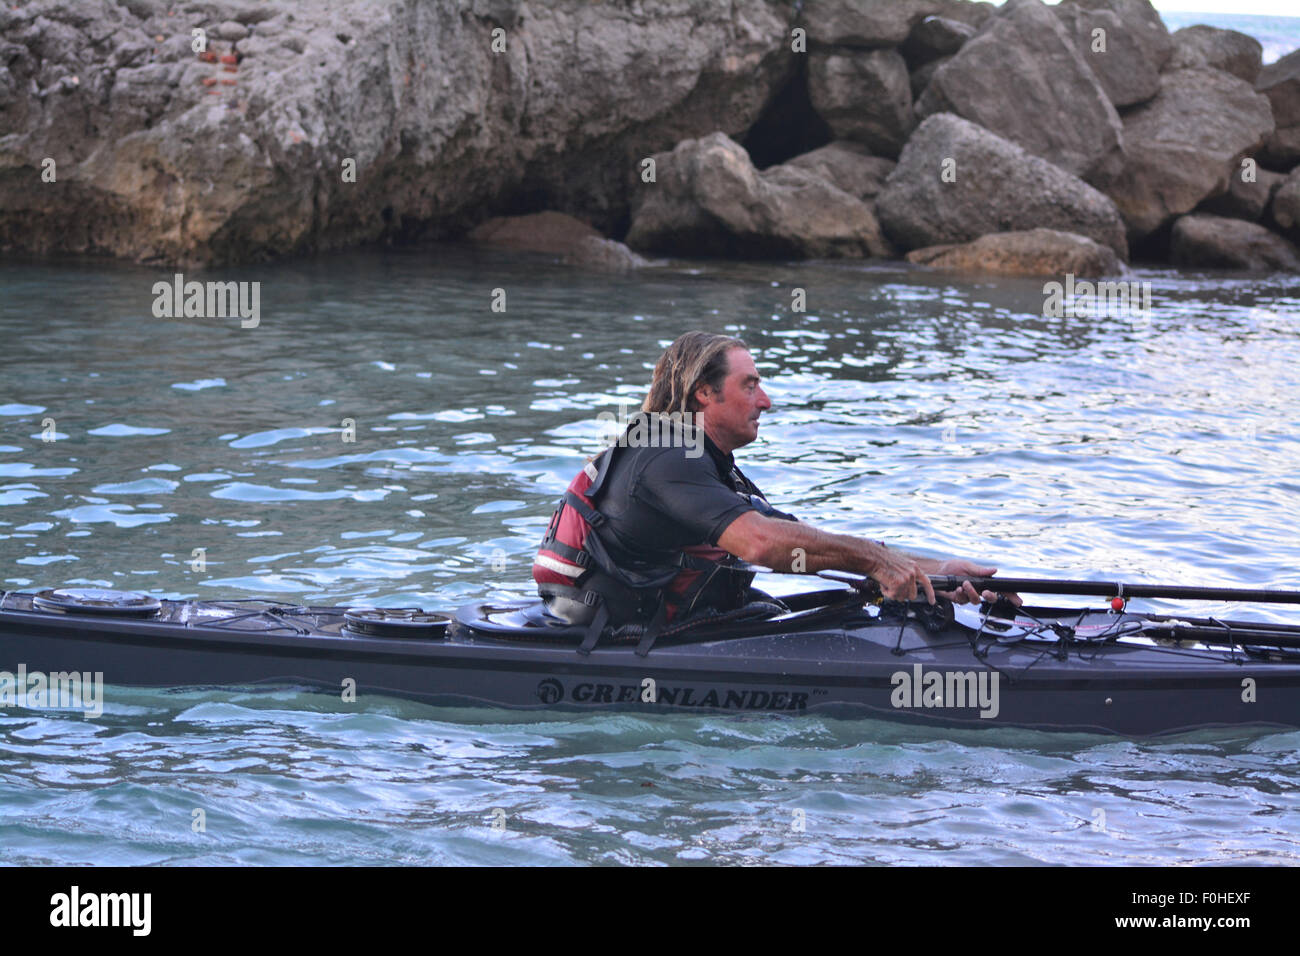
(702, 393)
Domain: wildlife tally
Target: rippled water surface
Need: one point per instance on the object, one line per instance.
(945, 415)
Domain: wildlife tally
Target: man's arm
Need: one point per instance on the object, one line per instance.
(795, 546)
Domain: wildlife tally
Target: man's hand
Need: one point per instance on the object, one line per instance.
(958, 567)
(899, 575)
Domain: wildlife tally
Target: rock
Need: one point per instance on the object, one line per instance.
(604, 254)
(1214, 242)
(922, 76)
(847, 166)
(257, 14)
(881, 23)
(1280, 82)
(933, 37)
(1022, 78)
(1184, 145)
(146, 9)
(1285, 210)
(557, 234)
(863, 95)
(1032, 252)
(231, 30)
(1117, 57)
(709, 200)
(999, 187)
(1140, 19)
(1245, 200)
(1227, 50)
(154, 165)
(536, 232)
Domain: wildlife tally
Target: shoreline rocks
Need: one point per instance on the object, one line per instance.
(1185, 144)
(1217, 243)
(956, 181)
(1280, 82)
(1018, 77)
(709, 200)
(298, 128)
(1226, 50)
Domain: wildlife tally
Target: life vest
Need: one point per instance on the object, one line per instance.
(572, 557)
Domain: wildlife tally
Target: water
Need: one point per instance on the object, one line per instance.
(945, 415)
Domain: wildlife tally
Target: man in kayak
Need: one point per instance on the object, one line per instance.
(647, 530)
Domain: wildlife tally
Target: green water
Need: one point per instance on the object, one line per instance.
(945, 415)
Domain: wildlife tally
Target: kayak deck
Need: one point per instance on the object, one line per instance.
(1050, 668)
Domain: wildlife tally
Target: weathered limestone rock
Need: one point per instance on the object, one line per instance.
(1033, 252)
(1184, 145)
(955, 181)
(1217, 243)
(709, 200)
(1023, 78)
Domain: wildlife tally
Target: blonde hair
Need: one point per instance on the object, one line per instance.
(694, 359)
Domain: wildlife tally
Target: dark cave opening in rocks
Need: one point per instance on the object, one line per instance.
(1152, 249)
(788, 125)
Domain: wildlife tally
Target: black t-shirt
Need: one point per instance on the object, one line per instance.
(659, 500)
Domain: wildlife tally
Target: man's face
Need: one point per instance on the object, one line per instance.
(731, 417)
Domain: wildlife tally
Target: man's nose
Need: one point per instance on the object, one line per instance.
(763, 400)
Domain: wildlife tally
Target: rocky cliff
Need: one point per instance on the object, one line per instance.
(221, 132)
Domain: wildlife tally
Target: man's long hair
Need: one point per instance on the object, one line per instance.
(695, 359)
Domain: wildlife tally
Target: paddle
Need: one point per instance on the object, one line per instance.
(1095, 588)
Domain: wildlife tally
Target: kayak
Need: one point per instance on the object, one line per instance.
(832, 651)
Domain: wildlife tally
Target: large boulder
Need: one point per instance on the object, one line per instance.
(956, 181)
(607, 254)
(166, 157)
(1246, 198)
(1032, 252)
(1185, 144)
(1022, 77)
(1280, 82)
(881, 23)
(1117, 56)
(847, 166)
(709, 200)
(1139, 19)
(1285, 210)
(863, 95)
(1214, 242)
(537, 232)
(557, 234)
(1226, 50)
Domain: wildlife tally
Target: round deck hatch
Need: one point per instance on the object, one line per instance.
(395, 622)
(97, 601)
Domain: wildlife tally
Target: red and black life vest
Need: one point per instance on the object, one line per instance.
(572, 557)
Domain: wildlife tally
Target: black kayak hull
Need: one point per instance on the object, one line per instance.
(859, 665)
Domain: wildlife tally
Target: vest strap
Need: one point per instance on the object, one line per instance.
(597, 626)
(589, 514)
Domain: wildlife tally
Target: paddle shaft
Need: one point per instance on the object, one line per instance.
(1116, 589)
(1108, 589)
